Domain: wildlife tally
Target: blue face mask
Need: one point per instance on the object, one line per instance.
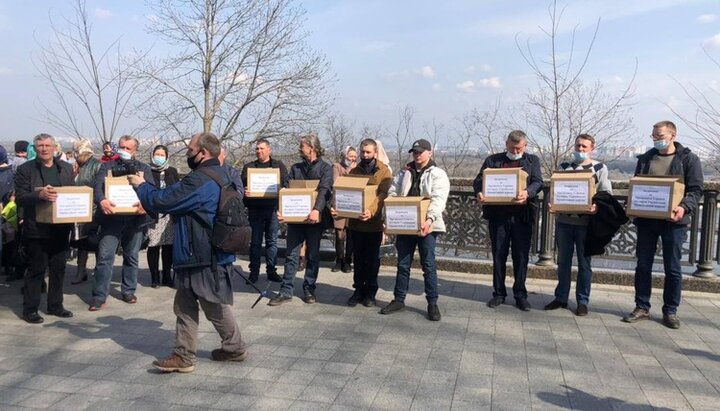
(661, 144)
(513, 157)
(579, 157)
(159, 161)
(124, 155)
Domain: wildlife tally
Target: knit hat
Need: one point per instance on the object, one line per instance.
(21, 146)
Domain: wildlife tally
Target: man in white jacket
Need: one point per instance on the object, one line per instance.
(422, 178)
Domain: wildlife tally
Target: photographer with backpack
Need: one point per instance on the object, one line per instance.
(202, 208)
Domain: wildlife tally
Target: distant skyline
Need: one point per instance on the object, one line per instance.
(443, 58)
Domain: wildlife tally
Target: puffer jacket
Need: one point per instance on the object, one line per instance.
(434, 184)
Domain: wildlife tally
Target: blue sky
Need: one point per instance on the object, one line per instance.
(443, 58)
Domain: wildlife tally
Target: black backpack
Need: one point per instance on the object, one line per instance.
(227, 234)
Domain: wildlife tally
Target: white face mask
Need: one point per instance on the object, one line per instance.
(124, 155)
(513, 157)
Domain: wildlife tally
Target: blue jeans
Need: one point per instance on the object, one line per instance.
(570, 238)
(405, 246)
(311, 234)
(503, 232)
(673, 237)
(264, 224)
(130, 237)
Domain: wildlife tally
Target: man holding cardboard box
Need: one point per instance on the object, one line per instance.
(46, 244)
(571, 229)
(367, 229)
(122, 221)
(511, 222)
(310, 228)
(420, 178)
(262, 207)
(667, 157)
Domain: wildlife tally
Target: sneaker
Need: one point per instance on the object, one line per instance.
(495, 301)
(279, 300)
(173, 363)
(60, 312)
(96, 305)
(274, 277)
(369, 302)
(253, 278)
(522, 304)
(554, 305)
(638, 314)
(582, 310)
(309, 297)
(222, 355)
(33, 318)
(433, 312)
(392, 307)
(671, 321)
(129, 298)
(354, 299)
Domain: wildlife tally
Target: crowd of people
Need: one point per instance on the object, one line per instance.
(174, 219)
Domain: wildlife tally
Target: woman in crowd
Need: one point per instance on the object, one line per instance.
(161, 233)
(343, 244)
(86, 167)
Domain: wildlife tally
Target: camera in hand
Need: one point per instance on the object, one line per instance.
(123, 169)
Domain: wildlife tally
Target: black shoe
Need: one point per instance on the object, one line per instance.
(155, 285)
(252, 279)
(280, 299)
(79, 279)
(671, 321)
(309, 297)
(60, 312)
(129, 298)
(495, 301)
(582, 310)
(554, 305)
(33, 318)
(638, 314)
(222, 355)
(335, 268)
(346, 268)
(43, 287)
(369, 302)
(433, 312)
(354, 299)
(274, 277)
(392, 307)
(522, 304)
(167, 279)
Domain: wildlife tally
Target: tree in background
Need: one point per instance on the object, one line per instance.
(338, 135)
(564, 105)
(239, 69)
(90, 86)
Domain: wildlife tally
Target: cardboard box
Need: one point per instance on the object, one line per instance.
(304, 184)
(263, 182)
(295, 204)
(405, 215)
(73, 205)
(572, 191)
(119, 191)
(654, 196)
(352, 196)
(502, 185)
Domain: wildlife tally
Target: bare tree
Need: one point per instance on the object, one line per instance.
(338, 134)
(92, 87)
(404, 134)
(240, 69)
(486, 126)
(564, 105)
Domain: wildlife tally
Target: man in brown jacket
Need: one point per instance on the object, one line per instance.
(367, 231)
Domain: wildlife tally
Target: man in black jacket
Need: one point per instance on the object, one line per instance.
(46, 244)
(511, 224)
(262, 214)
(666, 158)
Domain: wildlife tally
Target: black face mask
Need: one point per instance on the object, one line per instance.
(191, 162)
(367, 162)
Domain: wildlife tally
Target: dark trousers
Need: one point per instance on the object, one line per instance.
(366, 249)
(153, 257)
(673, 237)
(343, 246)
(503, 233)
(297, 234)
(44, 254)
(264, 225)
(405, 246)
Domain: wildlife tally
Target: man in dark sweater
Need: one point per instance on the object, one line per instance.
(262, 213)
(666, 158)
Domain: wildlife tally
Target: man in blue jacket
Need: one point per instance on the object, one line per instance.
(511, 224)
(202, 272)
(667, 157)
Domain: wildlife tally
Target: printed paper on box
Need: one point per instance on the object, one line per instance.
(263, 182)
(73, 205)
(296, 205)
(122, 195)
(650, 198)
(500, 185)
(401, 217)
(349, 201)
(570, 192)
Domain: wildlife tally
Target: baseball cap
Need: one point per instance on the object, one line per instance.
(21, 146)
(420, 146)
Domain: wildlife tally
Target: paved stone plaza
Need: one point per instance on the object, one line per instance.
(330, 356)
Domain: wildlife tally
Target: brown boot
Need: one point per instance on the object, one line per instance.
(173, 363)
